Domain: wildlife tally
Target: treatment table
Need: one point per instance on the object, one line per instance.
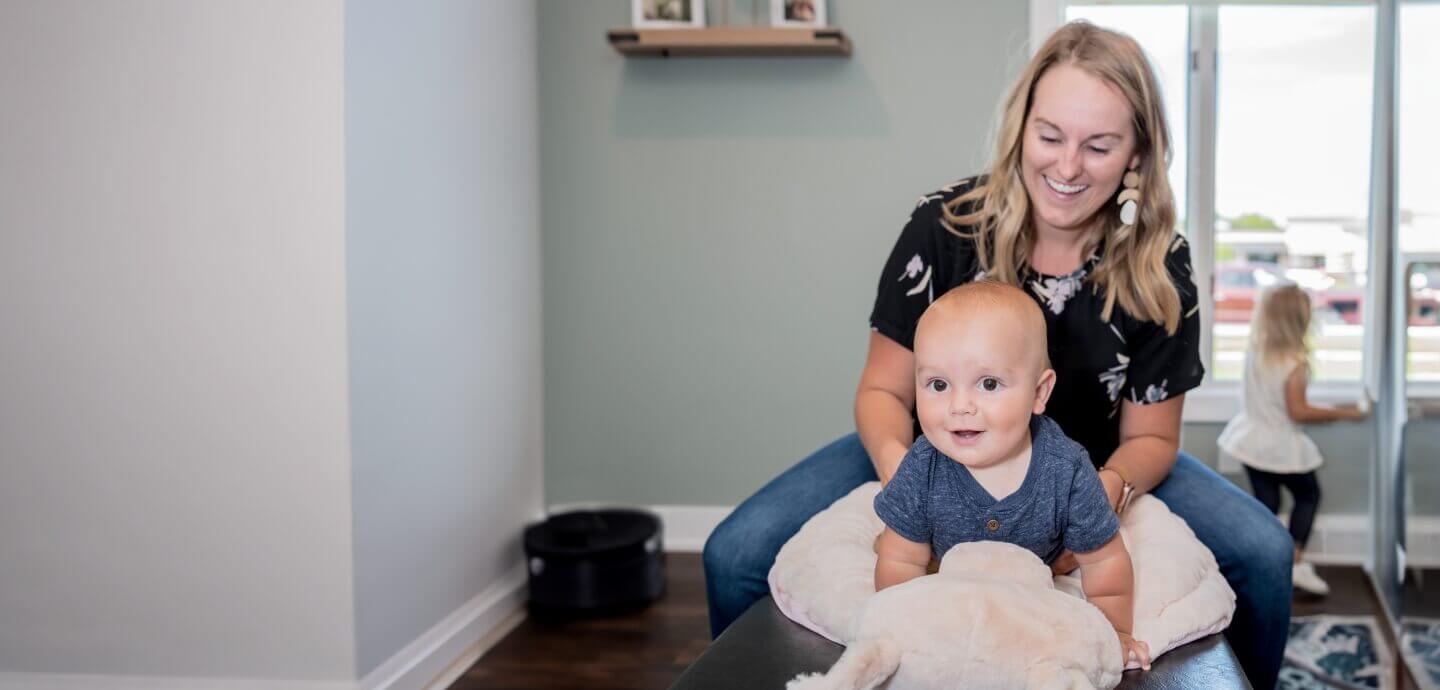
(763, 649)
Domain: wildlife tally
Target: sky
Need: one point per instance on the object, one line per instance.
(1295, 87)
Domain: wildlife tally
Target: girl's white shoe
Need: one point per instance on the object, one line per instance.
(1306, 579)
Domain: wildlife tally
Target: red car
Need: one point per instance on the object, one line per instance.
(1238, 287)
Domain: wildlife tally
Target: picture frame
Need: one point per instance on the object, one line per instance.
(797, 13)
(667, 14)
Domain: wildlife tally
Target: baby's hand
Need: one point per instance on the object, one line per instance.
(1133, 649)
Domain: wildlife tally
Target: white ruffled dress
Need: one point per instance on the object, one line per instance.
(1263, 436)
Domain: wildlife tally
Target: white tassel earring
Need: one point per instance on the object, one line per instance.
(1129, 199)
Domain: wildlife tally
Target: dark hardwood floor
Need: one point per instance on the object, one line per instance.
(1421, 595)
(1350, 594)
(648, 650)
(638, 651)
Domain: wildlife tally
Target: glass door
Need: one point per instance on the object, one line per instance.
(1418, 224)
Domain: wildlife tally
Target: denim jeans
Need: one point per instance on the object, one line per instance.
(1252, 547)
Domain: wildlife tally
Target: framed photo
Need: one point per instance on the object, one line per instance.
(797, 13)
(667, 14)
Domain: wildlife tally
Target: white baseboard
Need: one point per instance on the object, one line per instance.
(1336, 539)
(458, 667)
(1344, 539)
(433, 660)
(465, 634)
(686, 527)
(80, 681)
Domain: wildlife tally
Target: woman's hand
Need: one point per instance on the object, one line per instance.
(1133, 649)
(1114, 486)
(1149, 441)
(882, 404)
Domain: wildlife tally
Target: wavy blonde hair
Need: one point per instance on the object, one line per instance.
(1282, 324)
(1132, 269)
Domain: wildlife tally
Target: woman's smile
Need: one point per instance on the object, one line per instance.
(1065, 191)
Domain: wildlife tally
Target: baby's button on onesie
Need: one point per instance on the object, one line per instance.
(992, 525)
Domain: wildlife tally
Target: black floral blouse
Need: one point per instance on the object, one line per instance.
(1097, 363)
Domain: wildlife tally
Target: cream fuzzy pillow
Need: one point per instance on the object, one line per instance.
(991, 618)
(824, 576)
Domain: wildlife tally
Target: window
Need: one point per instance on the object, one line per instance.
(1418, 178)
(1272, 105)
(1292, 171)
(1423, 348)
(1162, 32)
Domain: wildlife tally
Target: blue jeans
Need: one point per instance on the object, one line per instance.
(1252, 547)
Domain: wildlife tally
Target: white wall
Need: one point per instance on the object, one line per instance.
(174, 450)
(443, 236)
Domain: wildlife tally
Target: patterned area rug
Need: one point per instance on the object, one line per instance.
(1420, 643)
(1336, 652)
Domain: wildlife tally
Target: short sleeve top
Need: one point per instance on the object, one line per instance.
(1097, 362)
(1060, 504)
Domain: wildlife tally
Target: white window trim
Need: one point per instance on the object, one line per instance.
(1214, 401)
(1218, 401)
(1045, 17)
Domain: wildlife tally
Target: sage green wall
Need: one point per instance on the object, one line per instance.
(713, 230)
(1422, 474)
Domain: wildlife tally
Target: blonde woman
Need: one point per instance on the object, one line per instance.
(1266, 437)
(1076, 210)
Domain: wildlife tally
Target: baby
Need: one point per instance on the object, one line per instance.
(989, 465)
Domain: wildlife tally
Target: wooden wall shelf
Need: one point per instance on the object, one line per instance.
(738, 41)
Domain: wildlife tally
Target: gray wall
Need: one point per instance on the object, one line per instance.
(183, 189)
(443, 241)
(714, 230)
(1344, 478)
(1422, 473)
(174, 451)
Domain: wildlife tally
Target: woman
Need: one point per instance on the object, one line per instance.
(1077, 211)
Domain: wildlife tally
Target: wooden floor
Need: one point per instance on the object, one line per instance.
(637, 651)
(649, 650)
(1350, 594)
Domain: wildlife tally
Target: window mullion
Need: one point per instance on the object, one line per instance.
(1383, 232)
(1200, 193)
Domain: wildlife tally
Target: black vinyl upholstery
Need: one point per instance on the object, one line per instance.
(764, 649)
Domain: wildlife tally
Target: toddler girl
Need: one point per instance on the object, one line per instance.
(1266, 437)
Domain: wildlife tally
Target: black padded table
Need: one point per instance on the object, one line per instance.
(764, 649)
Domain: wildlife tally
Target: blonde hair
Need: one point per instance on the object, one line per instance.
(1132, 269)
(1282, 322)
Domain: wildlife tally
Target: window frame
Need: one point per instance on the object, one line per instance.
(1215, 400)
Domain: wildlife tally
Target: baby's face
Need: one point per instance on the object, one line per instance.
(977, 379)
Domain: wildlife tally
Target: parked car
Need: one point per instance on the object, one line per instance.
(1238, 286)
(1425, 307)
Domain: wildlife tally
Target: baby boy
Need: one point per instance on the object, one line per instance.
(989, 465)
